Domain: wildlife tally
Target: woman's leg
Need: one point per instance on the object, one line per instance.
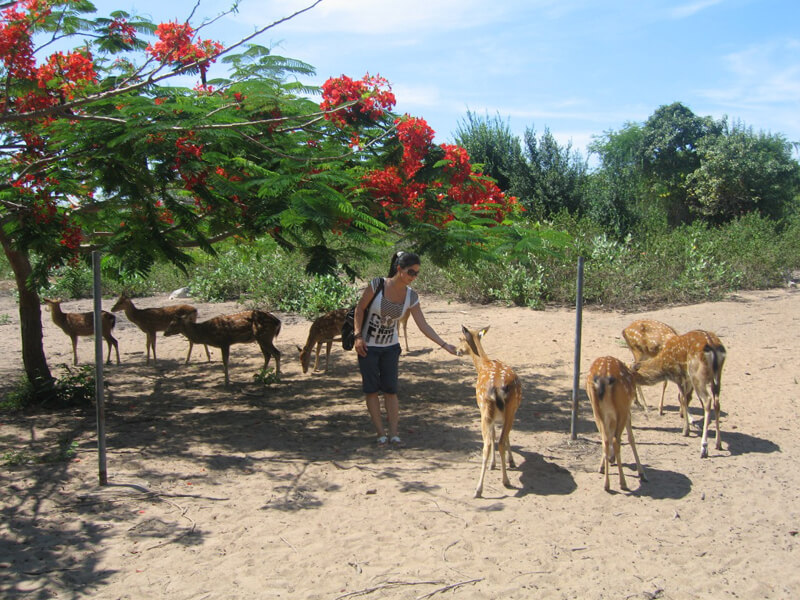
(374, 408)
(392, 412)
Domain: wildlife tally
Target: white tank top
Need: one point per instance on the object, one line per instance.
(380, 325)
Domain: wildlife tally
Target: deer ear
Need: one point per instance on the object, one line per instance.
(483, 331)
(464, 330)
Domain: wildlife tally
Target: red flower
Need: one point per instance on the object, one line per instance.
(371, 97)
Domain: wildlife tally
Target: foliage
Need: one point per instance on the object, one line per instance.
(742, 172)
(491, 144)
(75, 388)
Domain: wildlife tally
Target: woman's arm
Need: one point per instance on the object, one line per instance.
(358, 319)
(424, 327)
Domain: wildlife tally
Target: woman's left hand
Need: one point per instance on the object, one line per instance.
(450, 348)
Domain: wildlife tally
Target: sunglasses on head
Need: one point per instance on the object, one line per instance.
(412, 272)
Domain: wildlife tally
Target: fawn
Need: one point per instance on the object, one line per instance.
(78, 324)
(325, 329)
(221, 332)
(645, 338)
(498, 392)
(153, 320)
(694, 361)
(611, 391)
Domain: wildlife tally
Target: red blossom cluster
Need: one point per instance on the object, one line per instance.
(175, 46)
(123, 30)
(72, 71)
(372, 97)
(397, 192)
(187, 151)
(416, 138)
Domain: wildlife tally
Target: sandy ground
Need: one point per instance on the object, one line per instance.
(280, 491)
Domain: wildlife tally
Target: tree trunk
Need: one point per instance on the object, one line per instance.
(30, 318)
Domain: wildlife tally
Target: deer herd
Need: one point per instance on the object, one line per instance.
(693, 361)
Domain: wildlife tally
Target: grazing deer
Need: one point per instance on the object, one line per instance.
(694, 361)
(77, 324)
(221, 332)
(499, 393)
(153, 320)
(611, 391)
(325, 329)
(645, 338)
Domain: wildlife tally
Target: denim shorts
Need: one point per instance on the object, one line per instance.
(379, 369)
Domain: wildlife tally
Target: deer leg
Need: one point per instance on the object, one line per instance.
(74, 350)
(639, 467)
(718, 439)
(504, 448)
(226, 351)
(268, 349)
(661, 402)
(328, 354)
(111, 341)
(487, 431)
(639, 398)
(685, 408)
(316, 359)
(151, 341)
(617, 450)
(493, 464)
(208, 354)
(189, 354)
(706, 417)
(604, 455)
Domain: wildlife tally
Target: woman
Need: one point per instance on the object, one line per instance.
(377, 340)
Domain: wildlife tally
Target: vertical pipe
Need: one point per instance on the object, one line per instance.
(577, 370)
(98, 368)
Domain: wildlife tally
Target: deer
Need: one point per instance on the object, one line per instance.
(326, 329)
(223, 331)
(611, 390)
(694, 361)
(404, 322)
(645, 338)
(153, 320)
(82, 324)
(498, 392)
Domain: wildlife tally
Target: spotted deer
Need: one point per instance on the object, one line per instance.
(223, 331)
(611, 391)
(82, 324)
(325, 329)
(694, 361)
(499, 393)
(153, 320)
(645, 338)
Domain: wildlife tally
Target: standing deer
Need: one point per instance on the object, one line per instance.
(221, 332)
(611, 391)
(325, 329)
(645, 338)
(153, 320)
(499, 393)
(77, 324)
(694, 361)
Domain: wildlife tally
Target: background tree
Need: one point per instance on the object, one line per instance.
(98, 152)
(741, 172)
(554, 176)
(668, 154)
(491, 144)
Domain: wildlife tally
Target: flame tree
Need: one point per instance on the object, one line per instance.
(99, 150)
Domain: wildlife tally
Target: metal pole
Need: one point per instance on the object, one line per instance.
(577, 370)
(98, 368)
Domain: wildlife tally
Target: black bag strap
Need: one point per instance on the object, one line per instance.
(377, 291)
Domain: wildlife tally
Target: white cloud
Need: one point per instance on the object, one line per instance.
(688, 10)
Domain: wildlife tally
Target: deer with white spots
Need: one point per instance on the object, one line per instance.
(153, 320)
(325, 329)
(226, 330)
(611, 391)
(694, 361)
(499, 393)
(82, 324)
(645, 338)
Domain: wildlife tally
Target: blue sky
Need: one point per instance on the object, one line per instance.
(577, 67)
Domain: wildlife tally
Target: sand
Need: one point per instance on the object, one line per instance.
(279, 490)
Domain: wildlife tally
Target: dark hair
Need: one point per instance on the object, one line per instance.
(402, 260)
